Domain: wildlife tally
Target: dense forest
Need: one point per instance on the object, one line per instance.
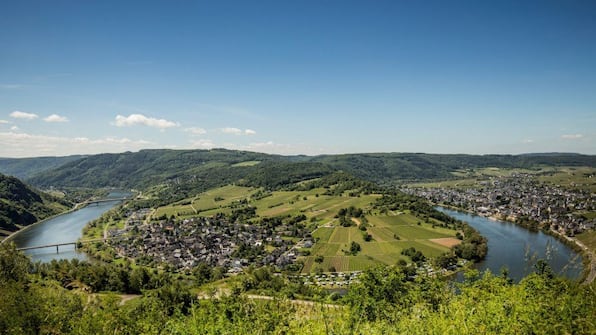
(21, 205)
(59, 298)
(25, 168)
(149, 167)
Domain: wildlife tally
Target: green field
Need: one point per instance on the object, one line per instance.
(383, 249)
(214, 201)
(310, 203)
(583, 178)
(247, 163)
(567, 177)
(588, 238)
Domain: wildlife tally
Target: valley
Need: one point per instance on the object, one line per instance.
(213, 229)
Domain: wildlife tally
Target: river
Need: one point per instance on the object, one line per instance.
(64, 228)
(518, 249)
(509, 245)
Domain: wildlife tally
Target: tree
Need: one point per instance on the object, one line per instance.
(14, 265)
(354, 248)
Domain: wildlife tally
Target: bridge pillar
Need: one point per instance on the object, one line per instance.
(57, 250)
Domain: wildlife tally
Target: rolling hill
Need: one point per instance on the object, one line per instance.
(24, 168)
(217, 167)
(21, 205)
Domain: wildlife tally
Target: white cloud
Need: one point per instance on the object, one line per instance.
(14, 128)
(237, 131)
(4, 122)
(23, 115)
(56, 118)
(17, 144)
(527, 141)
(203, 144)
(140, 119)
(196, 131)
(231, 130)
(572, 136)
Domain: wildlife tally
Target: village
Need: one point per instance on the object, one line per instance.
(521, 199)
(215, 241)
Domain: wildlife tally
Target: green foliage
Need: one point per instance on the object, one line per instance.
(415, 255)
(354, 248)
(391, 167)
(21, 205)
(473, 247)
(100, 277)
(24, 168)
(386, 300)
(184, 170)
(13, 264)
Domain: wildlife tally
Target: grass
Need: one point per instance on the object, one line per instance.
(247, 163)
(214, 201)
(383, 249)
(323, 233)
(588, 238)
(583, 178)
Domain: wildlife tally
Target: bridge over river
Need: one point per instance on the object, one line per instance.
(58, 245)
(99, 201)
(64, 232)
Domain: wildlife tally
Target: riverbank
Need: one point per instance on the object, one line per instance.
(25, 228)
(588, 255)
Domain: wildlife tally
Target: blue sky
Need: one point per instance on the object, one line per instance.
(297, 77)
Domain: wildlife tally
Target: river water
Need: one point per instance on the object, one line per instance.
(64, 228)
(517, 249)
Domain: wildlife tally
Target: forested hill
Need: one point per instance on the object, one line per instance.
(213, 167)
(381, 167)
(207, 167)
(20, 205)
(25, 168)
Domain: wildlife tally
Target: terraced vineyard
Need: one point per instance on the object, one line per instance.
(390, 235)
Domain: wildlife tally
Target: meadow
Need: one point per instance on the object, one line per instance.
(390, 235)
(583, 178)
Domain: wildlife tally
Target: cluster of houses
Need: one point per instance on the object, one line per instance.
(333, 279)
(519, 197)
(183, 244)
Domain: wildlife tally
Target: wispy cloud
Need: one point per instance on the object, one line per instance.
(18, 144)
(231, 130)
(572, 136)
(203, 144)
(23, 115)
(4, 122)
(56, 118)
(237, 131)
(528, 141)
(196, 131)
(140, 119)
(11, 86)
